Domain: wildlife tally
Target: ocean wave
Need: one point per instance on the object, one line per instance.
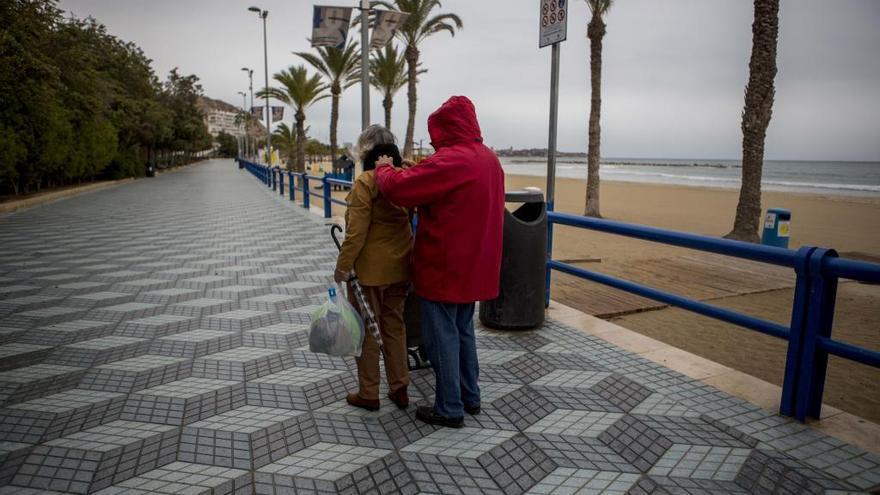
(823, 185)
(779, 183)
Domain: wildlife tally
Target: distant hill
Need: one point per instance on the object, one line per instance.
(532, 152)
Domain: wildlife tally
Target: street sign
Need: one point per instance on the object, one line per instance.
(553, 21)
(330, 26)
(387, 23)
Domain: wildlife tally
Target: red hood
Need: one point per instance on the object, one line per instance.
(454, 122)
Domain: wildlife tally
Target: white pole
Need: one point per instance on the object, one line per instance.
(554, 117)
(365, 64)
(266, 73)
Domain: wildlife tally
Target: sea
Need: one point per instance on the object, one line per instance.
(818, 177)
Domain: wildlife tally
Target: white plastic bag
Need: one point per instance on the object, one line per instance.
(336, 328)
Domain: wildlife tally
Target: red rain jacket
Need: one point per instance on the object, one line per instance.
(460, 194)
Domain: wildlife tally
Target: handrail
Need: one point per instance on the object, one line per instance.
(750, 322)
(739, 249)
(809, 333)
(853, 270)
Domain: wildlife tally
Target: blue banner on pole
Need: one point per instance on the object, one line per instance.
(330, 26)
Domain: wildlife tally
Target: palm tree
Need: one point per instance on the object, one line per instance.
(300, 91)
(284, 140)
(756, 118)
(388, 74)
(420, 25)
(595, 31)
(341, 68)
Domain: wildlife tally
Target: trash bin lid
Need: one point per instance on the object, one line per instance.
(782, 213)
(524, 196)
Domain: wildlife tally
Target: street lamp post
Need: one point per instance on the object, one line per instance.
(244, 116)
(250, 73)
(263, 14)
(365, 64)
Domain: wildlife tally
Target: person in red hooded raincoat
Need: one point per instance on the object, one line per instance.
(459, 192)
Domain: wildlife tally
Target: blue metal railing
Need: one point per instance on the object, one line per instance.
(809, 332)
(274, 177)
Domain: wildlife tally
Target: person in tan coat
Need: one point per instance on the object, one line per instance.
(378, 247)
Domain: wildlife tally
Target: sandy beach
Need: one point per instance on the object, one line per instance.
(848, 224)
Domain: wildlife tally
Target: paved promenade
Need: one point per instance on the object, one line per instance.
(153, 339)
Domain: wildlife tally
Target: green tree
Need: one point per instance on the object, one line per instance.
(228, 145)
(760, 92)
(284, 140)
(341, 69)
(77, 103)
(421, 24)
(388, 74)
(299, 90)
(595, 32)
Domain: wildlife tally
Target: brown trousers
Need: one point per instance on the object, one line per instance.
(386, 302)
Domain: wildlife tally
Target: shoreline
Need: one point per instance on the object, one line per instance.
(856, 198)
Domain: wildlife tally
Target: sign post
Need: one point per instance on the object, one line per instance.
(365, 64)
(553, 30)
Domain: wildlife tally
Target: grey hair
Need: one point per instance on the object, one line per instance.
(372, 136)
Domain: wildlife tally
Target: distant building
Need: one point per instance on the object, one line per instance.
(220, 117)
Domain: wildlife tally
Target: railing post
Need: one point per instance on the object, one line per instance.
(328, 205)
(820, 318)
(274, 180)
(305, 179)
(292, 194)
(281, 182)
(547, 275)
(796, 331)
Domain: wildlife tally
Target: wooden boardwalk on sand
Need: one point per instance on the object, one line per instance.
(700, 276)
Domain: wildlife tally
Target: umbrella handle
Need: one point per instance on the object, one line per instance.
(333, 230)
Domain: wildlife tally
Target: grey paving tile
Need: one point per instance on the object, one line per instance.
(300, 388)
(46, 418)
(185, 478)
(93, 459)
(248, 437)
(39, 380)
(184, 401)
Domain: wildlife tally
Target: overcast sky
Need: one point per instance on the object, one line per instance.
(674, 70)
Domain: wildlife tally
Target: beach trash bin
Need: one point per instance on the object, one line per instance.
(777, 227)
(520, 302)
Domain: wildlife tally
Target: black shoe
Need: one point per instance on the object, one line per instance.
(472, 410)
(427, 414)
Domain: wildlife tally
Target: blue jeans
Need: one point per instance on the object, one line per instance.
(448, 336)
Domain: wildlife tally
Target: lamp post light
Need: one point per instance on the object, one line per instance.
(365, 64)
(264, 14)
(250, 73)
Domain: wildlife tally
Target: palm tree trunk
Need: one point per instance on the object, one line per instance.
(595, 31)
(336, 90)
(387, 103)
(300, 141)
(756, 118)
(412, 62)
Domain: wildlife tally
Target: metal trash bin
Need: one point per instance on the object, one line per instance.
(520, 303)
(777, 227)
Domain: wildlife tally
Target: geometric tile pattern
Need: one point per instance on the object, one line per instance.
(154, 339)
(248, 437)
